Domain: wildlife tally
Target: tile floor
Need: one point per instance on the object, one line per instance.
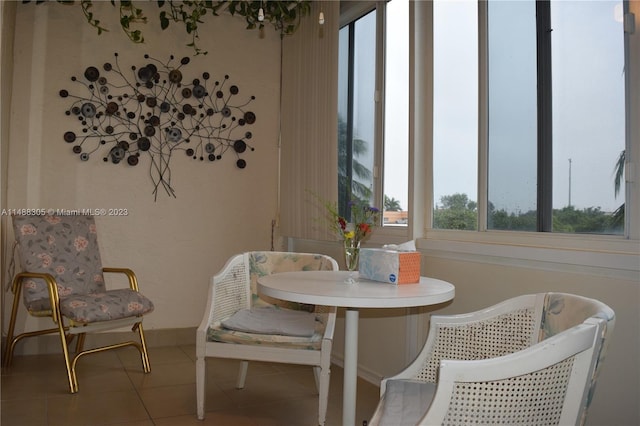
(114, 391)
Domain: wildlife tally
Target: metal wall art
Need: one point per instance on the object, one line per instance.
(154, 111)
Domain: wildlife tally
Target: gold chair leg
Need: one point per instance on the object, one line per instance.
(80, 342)
(11, 343)
(146, 366)
(71, 374)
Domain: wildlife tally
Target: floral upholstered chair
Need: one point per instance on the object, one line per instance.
(529, 360)
(62, 278)
(240, 324)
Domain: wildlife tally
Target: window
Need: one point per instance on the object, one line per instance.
(396, 114)
(455, 121)
(552, 111)
(356, 110)
(373, 110)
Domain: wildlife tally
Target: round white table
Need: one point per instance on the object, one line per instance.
(328, 288)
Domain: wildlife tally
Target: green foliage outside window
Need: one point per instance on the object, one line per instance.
(458, 212)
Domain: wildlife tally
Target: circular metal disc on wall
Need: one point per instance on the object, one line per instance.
(144, 144)
(249, 117)
(91, 73)
(88, 110)
(175, 76)
(174, 134)
(112, 107)
(199, 91)
(239, 146)
(69, 137)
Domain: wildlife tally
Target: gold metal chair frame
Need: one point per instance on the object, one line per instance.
(68, 332)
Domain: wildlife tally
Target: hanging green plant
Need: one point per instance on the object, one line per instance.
(284, 16)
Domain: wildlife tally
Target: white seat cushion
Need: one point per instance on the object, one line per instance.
(405, 402)
(270, 320)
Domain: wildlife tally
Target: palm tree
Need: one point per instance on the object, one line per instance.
(618, 215)
(391, 204)
(348, 186)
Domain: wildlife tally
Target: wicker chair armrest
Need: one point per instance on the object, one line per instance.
(331, 324)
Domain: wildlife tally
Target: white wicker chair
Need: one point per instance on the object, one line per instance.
(234, 289)
(530, 360)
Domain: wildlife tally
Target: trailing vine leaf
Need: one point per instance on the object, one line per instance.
(130, 14)
(283, 15)
(86, 5)
(164, 21)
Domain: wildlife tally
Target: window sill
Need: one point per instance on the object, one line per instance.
(596, 255)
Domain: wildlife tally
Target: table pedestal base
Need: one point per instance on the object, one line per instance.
(350, 367)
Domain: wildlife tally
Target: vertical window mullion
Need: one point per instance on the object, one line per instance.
(344, 203)
(378, 197)
(545, 124)
(483, 116)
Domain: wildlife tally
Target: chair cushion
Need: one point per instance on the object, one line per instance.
(271, 320)
(563, 311)
(263, 263)
(406, 402)
(110, 305)
(218, 333)
(65, 247)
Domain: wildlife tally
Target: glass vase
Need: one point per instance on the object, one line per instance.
(351, 256)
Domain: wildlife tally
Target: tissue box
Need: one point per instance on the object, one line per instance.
(390, 266)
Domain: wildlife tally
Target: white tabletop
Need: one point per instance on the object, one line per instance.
(328, 288)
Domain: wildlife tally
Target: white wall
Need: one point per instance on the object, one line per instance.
(173, 244)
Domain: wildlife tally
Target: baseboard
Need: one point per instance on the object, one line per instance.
(364, 373)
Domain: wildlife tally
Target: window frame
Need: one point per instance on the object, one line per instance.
(617, 254)
(350, 12)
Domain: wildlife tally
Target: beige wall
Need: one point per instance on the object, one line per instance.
(173, 244)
